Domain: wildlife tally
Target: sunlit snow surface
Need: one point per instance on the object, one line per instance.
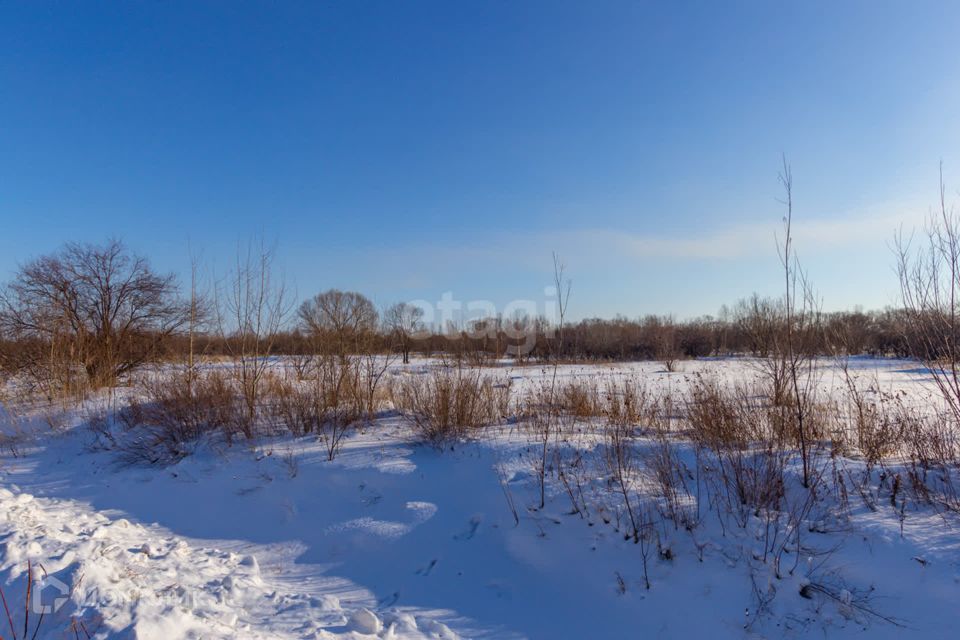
(396, 540)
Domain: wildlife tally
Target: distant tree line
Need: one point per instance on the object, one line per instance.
(97, 312)
(874, 333)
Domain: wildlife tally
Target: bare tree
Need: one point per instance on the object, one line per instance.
(339, 320)
(97, 306)
(405, 323)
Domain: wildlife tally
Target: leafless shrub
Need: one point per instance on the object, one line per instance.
(330, 406)
(472, 352)
(580, 397)
(678, 502)
(296, 406)
(543, 419)
(302, 364)
(44, 373)
(12, 433)
(291, 462)
(762, 321)
(852, 603)
(626, 402)
(776, 374)
(549, 412)
(175, 409)
(337, 383)
(575, 473)
(933, 447)
(370, 371)
(720, 418)
(874, 428)
(744, 446)
(623, 401)
(447, 404)
(933, 442)
(746, 439)
(543, 410)
(866, 418)
(624, 467)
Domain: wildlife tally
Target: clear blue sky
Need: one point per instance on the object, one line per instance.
(405, 149)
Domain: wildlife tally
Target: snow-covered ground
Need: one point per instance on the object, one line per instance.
(397, 540)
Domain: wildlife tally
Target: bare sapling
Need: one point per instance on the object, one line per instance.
(340, 400)
(371, 366)
(198, 315)
(302, 364)
(802, 323)
(542, 415)
(574, 472)
(624, 468)
(251, 308)
(562, 286)
(545, 422)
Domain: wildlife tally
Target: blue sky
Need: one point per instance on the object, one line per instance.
(405, 149)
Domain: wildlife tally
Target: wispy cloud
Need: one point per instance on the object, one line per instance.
(438, 262)
(750, 240)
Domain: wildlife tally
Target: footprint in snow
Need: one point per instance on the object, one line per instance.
(500, 590)
(369, 501)
(425, 571)
(471, 529)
